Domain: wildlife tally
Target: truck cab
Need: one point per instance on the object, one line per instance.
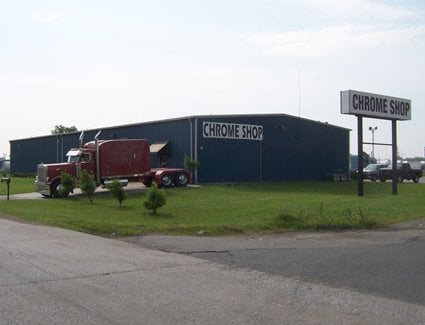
(83, 159)
(47, 180)
(404, 171)
(106, 160)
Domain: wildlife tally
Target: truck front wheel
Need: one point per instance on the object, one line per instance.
(56, 189)
(416, 179)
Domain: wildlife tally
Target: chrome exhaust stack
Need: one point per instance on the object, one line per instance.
(81, 138)
(96, 141)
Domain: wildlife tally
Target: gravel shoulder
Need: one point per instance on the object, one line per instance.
(397, 233)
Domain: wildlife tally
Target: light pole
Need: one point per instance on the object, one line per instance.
(373, 129)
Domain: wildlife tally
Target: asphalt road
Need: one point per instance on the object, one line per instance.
(55, 276)
(387, 263)
(392, 270)
(50, 275)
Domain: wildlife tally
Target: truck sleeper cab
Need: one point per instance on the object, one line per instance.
(106, 160)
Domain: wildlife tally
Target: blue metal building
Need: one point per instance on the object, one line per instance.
(229, 148)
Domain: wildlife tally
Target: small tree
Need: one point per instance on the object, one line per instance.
(61, 129)
(190, 164)
(117, 191)
(155, 198)
(67, 184)
(87, 185)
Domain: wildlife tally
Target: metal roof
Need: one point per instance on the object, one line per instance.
(189, 118)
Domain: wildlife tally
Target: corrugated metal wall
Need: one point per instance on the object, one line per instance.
(228, 160)
(291, 148)
(27, 153)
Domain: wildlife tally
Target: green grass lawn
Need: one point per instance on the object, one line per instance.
(230, 209)
(18, 185)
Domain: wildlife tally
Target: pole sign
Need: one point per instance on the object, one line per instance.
(370, 105)
(376, 106)
(232, 131)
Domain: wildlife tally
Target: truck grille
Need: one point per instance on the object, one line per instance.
(42, 173)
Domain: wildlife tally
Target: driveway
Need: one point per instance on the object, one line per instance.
(131, 187)
(388, 262)
(50, 275)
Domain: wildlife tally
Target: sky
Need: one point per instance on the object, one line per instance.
(94, 64)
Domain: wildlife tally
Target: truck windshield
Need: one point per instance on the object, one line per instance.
(73, 155)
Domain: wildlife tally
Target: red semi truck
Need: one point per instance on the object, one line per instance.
(107, 160)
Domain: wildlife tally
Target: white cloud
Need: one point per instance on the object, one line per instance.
(334, 39)
(44, 17)
(367, 9)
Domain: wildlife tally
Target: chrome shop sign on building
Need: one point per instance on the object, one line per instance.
(232, 131)
(375, 106)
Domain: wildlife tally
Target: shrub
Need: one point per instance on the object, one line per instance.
(155, 198)
(287, 220)
(117, 191)
(67, 184)
(87, 185)
(190, 164)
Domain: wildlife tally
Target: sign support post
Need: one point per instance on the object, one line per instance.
(360, 161)
(394, 158)
(375, 106)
